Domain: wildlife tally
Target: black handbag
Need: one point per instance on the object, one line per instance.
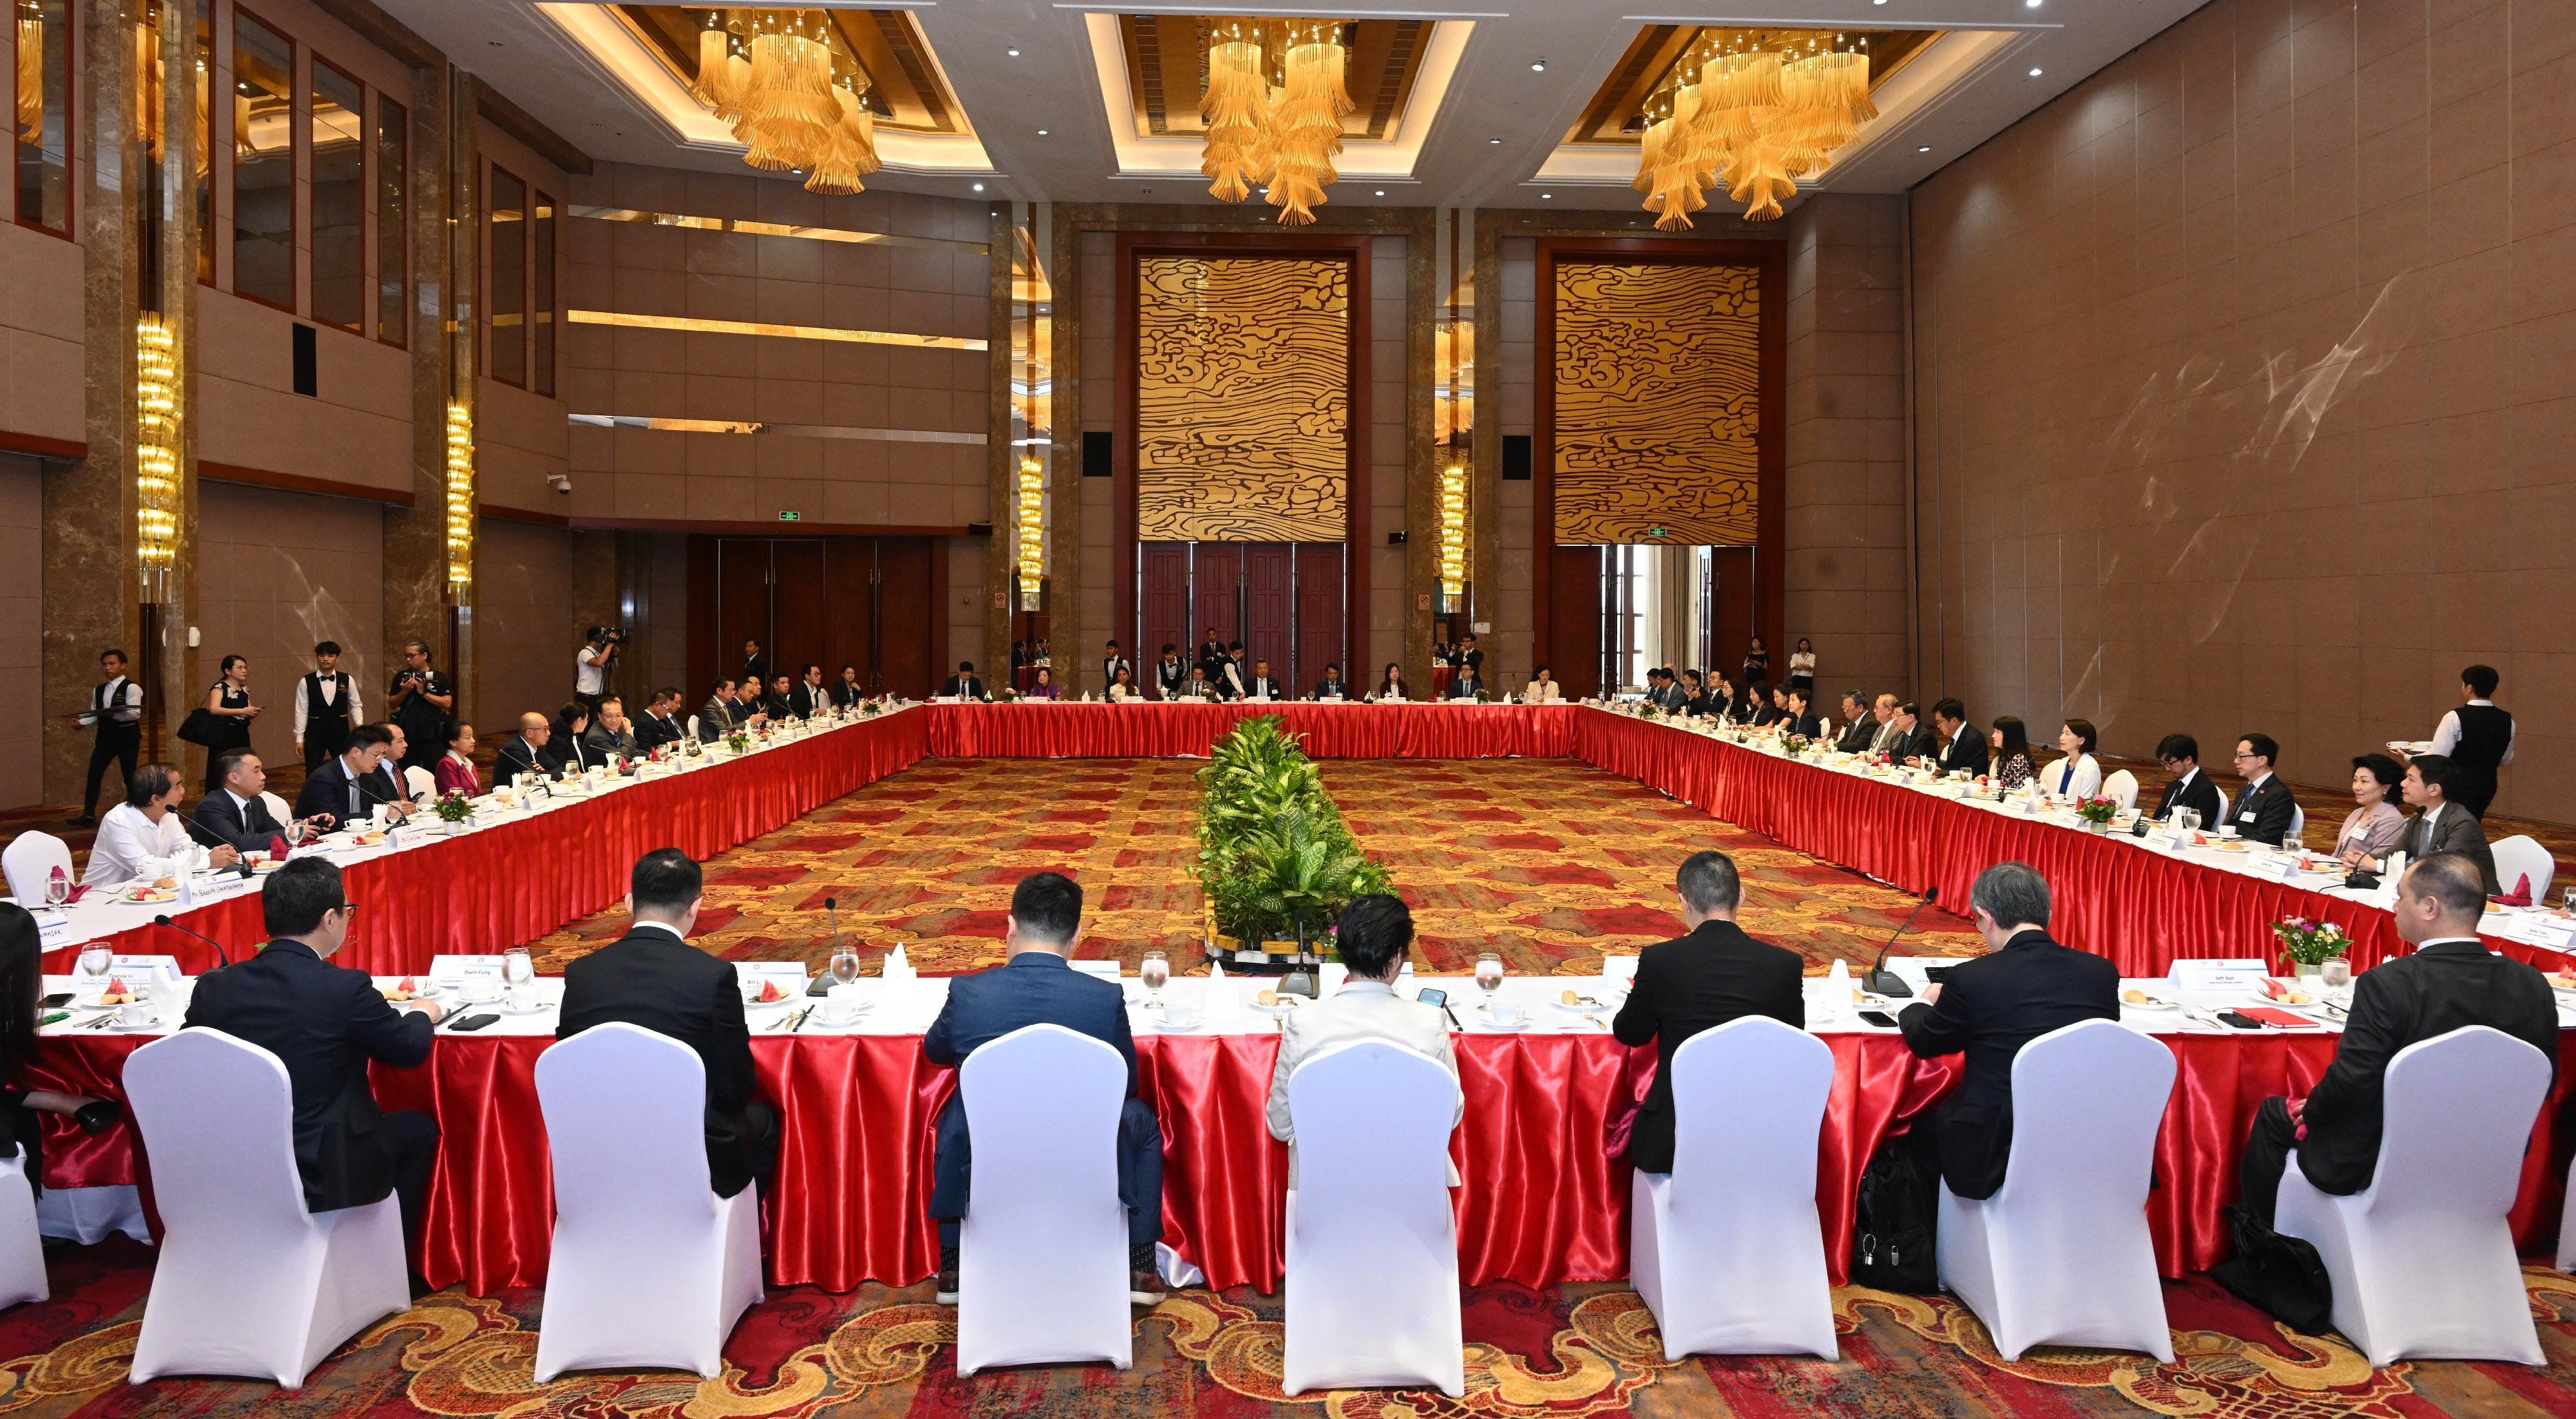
(199, 727)
(1893, 1221)
(2282, 1276)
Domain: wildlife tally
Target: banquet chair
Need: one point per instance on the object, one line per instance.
(1042, 1258)
(2212, 828)
(2298, 820)
(22, 1252)
(28, 862)
(248, 1282)
(2522, 856)
(2567, 1223)
(2060, 1254)
(650, 1269)
(419, 783)
(1727, 1249)
(1372, 1275)
(278, 808)
(2121, 787)
(693, 726)
(2422, 1260)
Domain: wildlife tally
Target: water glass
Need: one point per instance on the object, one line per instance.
(2567, 899)
(1154, 971)
(58, 888)
(2334, 973)
(845, 964)
(517, 970)
(96, 959)
(1489, 976)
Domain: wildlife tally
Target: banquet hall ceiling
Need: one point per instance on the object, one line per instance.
(1070, 101)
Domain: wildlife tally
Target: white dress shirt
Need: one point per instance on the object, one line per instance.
(2446, 735)
(330, 694)
(1360, 1010)
(119, 699)
(126, 837)
(2080, 776)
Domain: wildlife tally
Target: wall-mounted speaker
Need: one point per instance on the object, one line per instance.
(308, 375)
(1095, 455)
(1516, 458)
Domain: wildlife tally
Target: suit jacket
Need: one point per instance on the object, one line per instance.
(2441, 987)
(1462, 688)
(2455, 829)
(601, 741)
(969, 686)
(1968, 751)
(1668, 696)
(2199, 795)
(324, 1022)
(1810, 725)
(717, 718)
(1890, 739)
(756, 669)
(847, 695)
(1360, 1010)
(1255, 686)
(654, 731)
(805, 699)
(657, 980)
(1923, 743)
(1989, 1008)
(2263, 815)
(1212, 659)
(1032, 988)
(1857, 735)
(1691, 984)
(326, 790)
(249, 827)
(1334, 690)
(520, 757)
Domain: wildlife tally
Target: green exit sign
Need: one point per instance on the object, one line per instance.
(1651, 531)
(785, 516)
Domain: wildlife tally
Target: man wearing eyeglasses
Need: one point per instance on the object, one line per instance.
(325, 1023)
(2265, 812)
(2189, 787)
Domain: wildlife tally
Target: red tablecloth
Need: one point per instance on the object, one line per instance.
(2142, 908)
(511, 882)
(1074, 730)
(1540, 1204)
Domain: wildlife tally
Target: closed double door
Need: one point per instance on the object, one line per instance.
(1288, 602)
(867, 602)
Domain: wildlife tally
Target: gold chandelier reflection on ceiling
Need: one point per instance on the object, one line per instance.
(1751, 114)
(1274, 106)
(792, 99)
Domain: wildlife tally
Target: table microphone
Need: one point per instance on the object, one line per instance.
(822, 983)
(220, 953)
(1880, 979)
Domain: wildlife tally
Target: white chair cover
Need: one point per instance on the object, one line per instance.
(2060, 1255)
(2121, 786)
(2567, 1223)
(22, 1253)
(1042, 1260)
(2422, 1260)
(2298, 820)
(278, 808)
(28, 862)
(2212, 828)
(1372, 1275)
(420, 783)
(2522, 855)
(1727, 1249)
(89, 1215)
(693, 726)
(650, 1269)
(249, 1283)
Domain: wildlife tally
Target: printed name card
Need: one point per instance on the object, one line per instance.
(2555, 931)
(161, 968)
(2238, 977)
(790, 975)
(456, 970)
(1106, 970)
(53, 927)
(1619, 968)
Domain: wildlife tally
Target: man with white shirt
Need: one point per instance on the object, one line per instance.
(1375, 938)
(116, 712)
(2189, 787)
(147, 825)
(2477, 738)
(590, 667)
(2439, 825)
(235, 811)
(1113, 660)
(326, 707)
(1232, 678)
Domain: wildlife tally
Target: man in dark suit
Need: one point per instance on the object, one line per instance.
(1470, 657)
(530, 753)
(809, 697)
(1263, 685)
(2189, 787)
(1465, 684)
(2265, 811)
(235, 812)
(610, 731)
(1698, 982)
(2439, 825)
(964, 684)
(1212, 656)
(1917, 743)
(755, 666)
(660, 724)
(347, 788)
(2450, 982)
(1963, 745)
(325, 1023)
(1859, 728)
(1332, 686)
(1037, 987)
(653, 977)
(1988, 1008)
(723, 713)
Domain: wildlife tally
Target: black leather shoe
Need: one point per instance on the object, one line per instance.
(98, 1116)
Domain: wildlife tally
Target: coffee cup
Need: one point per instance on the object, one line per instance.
(838, 1009)
(1507, 1012)
(2227, 830)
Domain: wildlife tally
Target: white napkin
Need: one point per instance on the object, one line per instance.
(898, 967)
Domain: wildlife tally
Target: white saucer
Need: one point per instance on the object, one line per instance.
(1282, 1008)
(1603, 1008)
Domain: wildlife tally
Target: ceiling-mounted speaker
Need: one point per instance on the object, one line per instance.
(308, 361)
(1095, 455)
(1516, 458)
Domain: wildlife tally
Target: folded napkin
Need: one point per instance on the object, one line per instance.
(77, 893)
(2520, 896)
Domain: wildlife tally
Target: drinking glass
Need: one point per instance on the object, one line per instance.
(2567, 899)
(1489, 976)
(2187, 819)
(2334, 973)
(95, 960)
(517, 969)
(58, 888)
(845, 964)
(2291, 843)
(1155, 970)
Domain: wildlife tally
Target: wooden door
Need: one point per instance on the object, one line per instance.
(1573, 651)
(796, 602)
(1268, 603)
(1322, 618)
(1731, 623)
(1216, 585)
(1167, 608)
(742, 600)
(849, 601)
(907, 607)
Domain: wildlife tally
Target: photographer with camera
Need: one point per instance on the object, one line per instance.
(592, 663)
(420, 699)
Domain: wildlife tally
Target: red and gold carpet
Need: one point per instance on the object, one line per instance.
(1547, 861)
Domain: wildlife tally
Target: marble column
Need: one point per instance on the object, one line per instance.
(1075, 642)
(1001, 460)
(444, 320)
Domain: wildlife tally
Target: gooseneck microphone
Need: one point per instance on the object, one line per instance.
(220, 953)
(1881, 980)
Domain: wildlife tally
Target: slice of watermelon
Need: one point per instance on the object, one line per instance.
(770, 993)
(116, 986)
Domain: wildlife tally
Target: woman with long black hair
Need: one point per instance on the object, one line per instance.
(22, 985)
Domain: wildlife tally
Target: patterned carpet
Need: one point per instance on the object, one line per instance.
(1548, 862)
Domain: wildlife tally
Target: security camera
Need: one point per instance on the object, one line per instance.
(560, 482)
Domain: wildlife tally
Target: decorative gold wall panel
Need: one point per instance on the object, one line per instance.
(1658, 401)
(1243, 399)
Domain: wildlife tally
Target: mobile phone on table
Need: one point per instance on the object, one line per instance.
(473, 1022)
(1880, 1018)
(1428, 995)
(55, 1001)
(2240, 1022)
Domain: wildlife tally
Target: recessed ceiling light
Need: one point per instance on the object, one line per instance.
(1042, 132)
(1547, 197)
(1538, 66)
(1012, 52)
(1924, 149)
(979, 187)
(1497, 142)
(2030, 4)
(1381, 192)
(2034, 73)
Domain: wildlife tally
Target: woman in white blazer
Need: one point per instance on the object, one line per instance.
(1375, 937)
(2079, 774)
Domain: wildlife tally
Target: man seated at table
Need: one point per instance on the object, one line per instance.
(1375, 937)
(347, 787)
(235, 812)
(1918, 743)
(1963, 746)
(393, 777)
(325, 1023)
(1697, 982)
(2189, 787)
(654, 978)
(727, 713)
(1332, 686)
(1464, 684)
(148, 825)
(2451, 981)
(2439, 825)
(1891, 734)
(2265, 811)
(1988, 1008)
(609, 732)
(1858, 726)
(1799, 720)
(810, 697)
(661, 723)
(530, 753)
(1263, 685)
(1663, 689)
(1198, 686)
(779, 702)
(964, 685)
(1037, 987)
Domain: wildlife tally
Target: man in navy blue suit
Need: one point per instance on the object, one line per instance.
(1038, 987)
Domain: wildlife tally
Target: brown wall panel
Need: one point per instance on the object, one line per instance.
(909, 606)
(1573, 652)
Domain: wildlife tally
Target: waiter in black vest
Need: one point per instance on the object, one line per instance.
(326, 704)
(2478, 740)
(116, 711)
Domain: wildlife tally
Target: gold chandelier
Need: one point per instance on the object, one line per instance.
(1749, 113)
(792, 100)
(1274, 105)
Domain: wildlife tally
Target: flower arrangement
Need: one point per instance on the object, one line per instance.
(2310, 943)
(1006, 695)
(2097, 811)
(1484, 696)
(867, 709)
(738, 742)
(1795, 744)
(453, 807)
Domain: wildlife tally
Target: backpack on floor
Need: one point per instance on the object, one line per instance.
(1893, 1218)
